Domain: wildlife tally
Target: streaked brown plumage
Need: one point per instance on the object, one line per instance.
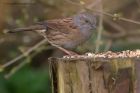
(66, 33)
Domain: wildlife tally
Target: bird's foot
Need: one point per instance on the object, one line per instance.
(68, 52)
(71, 53)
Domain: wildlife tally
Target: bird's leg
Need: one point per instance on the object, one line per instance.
(59, 47)
(64, 50)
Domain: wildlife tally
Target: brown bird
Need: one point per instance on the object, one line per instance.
(65, 34)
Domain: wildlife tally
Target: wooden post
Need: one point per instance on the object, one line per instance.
(97, 73)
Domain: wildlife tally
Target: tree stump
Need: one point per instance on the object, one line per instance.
(97, 73)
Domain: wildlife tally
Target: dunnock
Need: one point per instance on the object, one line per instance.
(65, 33)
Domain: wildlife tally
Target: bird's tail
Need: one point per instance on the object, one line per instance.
(30, 28)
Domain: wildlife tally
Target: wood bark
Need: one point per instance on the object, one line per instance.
(96, 75)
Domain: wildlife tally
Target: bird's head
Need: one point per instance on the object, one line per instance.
(85, 21)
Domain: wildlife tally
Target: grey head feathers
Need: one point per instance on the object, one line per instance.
(86, 22)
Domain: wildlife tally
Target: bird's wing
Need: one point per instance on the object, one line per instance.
(62, 25)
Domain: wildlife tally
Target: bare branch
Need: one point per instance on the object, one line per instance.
(23, 55)
(114, 16)
(99, 35)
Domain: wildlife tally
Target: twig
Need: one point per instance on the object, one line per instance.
(23, 55)
(15, 69)
(107, 14)
(108, 45)
(99, 35)
(57, 46)
(121, 31)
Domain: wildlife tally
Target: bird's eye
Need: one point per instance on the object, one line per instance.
(86, 21)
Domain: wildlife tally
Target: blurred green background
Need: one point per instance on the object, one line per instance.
(31, 73)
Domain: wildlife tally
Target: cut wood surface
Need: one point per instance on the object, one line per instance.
(97, 73)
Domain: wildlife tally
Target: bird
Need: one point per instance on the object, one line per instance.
(65, 33)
